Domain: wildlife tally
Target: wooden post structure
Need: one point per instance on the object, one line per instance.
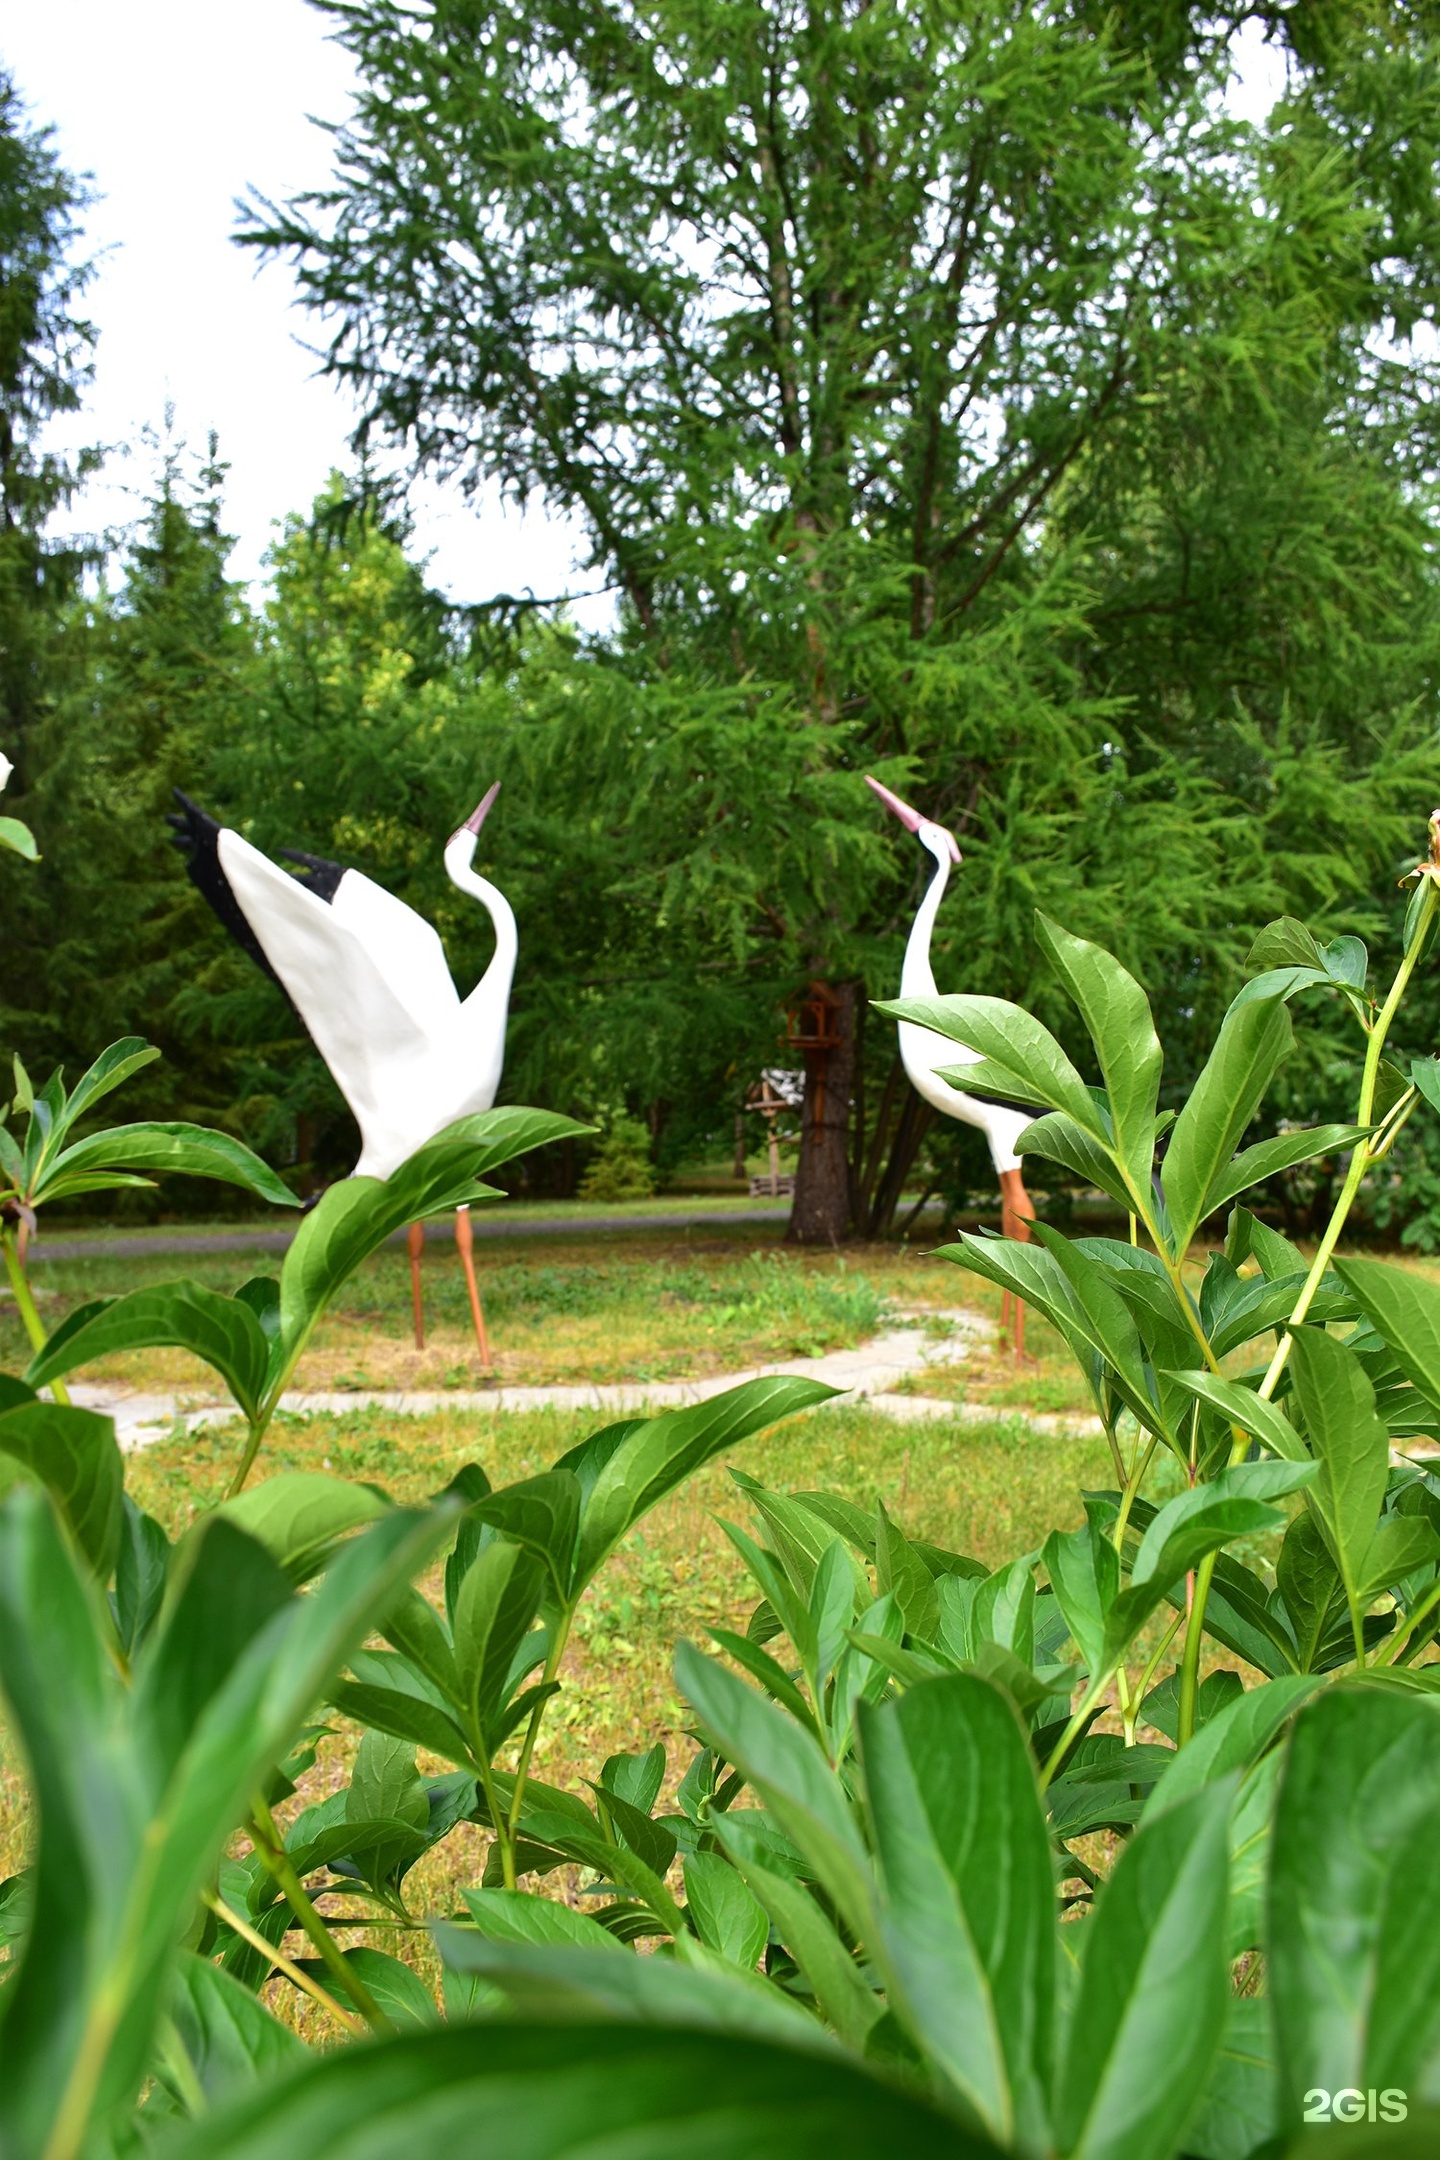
(769, 1100)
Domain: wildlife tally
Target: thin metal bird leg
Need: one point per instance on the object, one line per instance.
(465, 1240)
(416, 1242)
(1017, 1212)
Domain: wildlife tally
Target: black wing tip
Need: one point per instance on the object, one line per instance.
(197, 836)
(192, 829)
(320, 876)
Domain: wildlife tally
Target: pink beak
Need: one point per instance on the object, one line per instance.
(482, 811)
(910, 819)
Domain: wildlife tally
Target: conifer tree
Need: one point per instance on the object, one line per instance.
(45, 349)
(154, 681)
(851, 337)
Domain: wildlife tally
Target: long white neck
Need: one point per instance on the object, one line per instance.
(484, 1013)
(917, 977)
(495, 982)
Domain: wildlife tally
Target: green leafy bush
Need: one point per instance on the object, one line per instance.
(191, 1672)
(969, 1861)
(620, 1168)
(16, 838)
(53, 1163)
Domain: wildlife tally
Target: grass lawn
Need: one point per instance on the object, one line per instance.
(654, 1305)
(733, 1199)
(994, 1491)
(649, 1306)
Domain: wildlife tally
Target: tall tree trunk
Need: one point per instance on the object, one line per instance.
(821, 1214)
(914, 1122)
(856, 1169)
(877, 1138)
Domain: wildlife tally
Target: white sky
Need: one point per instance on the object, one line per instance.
(176, 107)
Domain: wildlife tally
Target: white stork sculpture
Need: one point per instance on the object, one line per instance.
(369, 978)
(923, 1052)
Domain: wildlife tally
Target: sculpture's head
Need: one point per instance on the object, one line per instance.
(460, 847)
(481, 811)
(936, 838)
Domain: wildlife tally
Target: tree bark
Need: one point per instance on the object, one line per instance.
(877, 1140)
(911, 1127)
(856, 1169)
(821, 1214)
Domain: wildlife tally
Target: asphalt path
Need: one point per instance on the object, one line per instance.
(487, 1223)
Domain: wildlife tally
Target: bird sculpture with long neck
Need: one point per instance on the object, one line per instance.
(923, 1053)
(369, 979)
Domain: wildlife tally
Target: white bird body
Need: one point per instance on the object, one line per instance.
(370, 980)
(923, 1053)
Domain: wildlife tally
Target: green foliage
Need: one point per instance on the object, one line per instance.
(187, 1687)
(934, 1850)
(15, 838)
(1001, 414)
(102, 935)
(624, 2082)
(620, 1168)
(887, 1878)
(255, 1339)
(45, 350)
(50, 1164)
(18, 839)
(161, 1770)
(1135, 593)
(1107, 518)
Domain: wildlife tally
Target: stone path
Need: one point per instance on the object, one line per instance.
(872, 1373)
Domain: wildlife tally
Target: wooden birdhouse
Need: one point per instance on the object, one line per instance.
(812, 1028)
(810, 1025)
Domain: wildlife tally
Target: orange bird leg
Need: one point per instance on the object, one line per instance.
(1017, 1212)
(416, 1243)
(465, 1240)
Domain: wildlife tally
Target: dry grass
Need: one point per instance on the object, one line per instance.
(650, 1306)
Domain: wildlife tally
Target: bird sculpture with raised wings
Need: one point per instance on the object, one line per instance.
(369, 980)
